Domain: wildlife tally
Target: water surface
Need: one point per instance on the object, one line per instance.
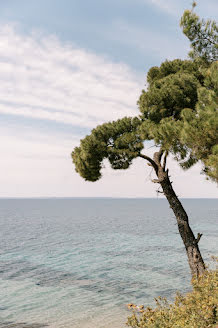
(78, 262)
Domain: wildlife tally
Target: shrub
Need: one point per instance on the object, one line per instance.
(197, 309)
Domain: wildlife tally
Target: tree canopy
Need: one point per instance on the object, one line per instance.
(118, 141)
(203, 35)
(178, 111)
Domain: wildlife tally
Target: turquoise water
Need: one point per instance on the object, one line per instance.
(78, 262)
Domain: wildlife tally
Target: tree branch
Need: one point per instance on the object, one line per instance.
(165, 160)
(150, 160)
(198, 238)
(156, 180)
(157, 157)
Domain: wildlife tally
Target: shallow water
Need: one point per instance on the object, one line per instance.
(78, 262)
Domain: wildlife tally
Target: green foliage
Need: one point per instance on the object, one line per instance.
(172, 87)
(197, 309)
(178, 111)
(118, 141)
(200, 128)
(168, 96)
(173, 67)
(202, 34)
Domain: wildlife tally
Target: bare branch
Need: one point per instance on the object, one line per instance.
(198, 238)
(165, 160)
(150, 160)
(156, 180)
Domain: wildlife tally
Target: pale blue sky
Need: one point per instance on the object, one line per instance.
(67, 65)
(103, 26)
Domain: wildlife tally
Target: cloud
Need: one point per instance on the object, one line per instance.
(37, 164)
(35, 145)
(42, 78)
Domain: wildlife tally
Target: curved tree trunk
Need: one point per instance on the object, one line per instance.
(195, 259)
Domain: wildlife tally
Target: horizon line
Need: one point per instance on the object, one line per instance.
(97, 197)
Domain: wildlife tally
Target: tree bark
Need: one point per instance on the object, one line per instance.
(195, 259)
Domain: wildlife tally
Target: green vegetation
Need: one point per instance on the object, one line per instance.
(202, 35)
(178, 112)
(200, 128)
(197, 309)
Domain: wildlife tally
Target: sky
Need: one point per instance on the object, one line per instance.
(67, 66)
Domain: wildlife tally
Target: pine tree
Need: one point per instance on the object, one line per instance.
(178, 112)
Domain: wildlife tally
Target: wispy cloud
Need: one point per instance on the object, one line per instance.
(44, 79)
(34, 164)
(41, 77)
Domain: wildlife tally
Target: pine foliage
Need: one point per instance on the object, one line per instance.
(178, 111)
(203, 35)
(117, 141)
(200, 128)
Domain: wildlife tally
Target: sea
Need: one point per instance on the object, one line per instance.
(77, 263)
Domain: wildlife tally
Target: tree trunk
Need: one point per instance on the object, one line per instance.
(195, 260)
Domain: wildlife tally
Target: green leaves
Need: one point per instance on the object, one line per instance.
(118, 141)
(178, 112)
(202, 34)
(197, 309)
(168, 96)
(172, 87)
(200, 128)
